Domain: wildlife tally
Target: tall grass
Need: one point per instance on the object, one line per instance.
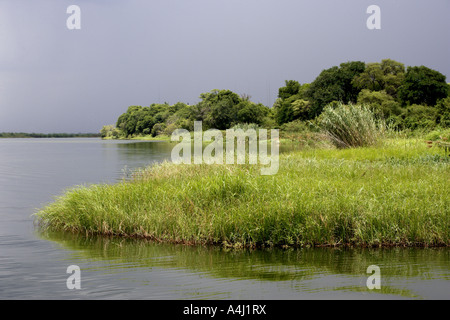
(395, 194)
(351, 126)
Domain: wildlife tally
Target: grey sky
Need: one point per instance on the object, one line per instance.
(136, 52)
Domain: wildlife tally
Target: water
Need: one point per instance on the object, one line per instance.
(33, 264)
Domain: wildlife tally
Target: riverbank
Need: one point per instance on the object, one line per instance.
(143, 138)
(298, 139)
(394, 194)
(10, 135)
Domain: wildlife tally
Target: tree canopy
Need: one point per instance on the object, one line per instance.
(413, 97)
(423, 85)
(334, 84)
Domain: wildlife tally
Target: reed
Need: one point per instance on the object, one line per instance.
(394, 193)
(351, 126)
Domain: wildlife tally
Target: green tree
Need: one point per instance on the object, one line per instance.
(423, 85)
(385, 76)
(292, 102)
(249, 112)
(217, 108)
(292, 88)
(108, 131)
(443, 112)
(127, 122)
(146, 122)
(419, 116)
(380, 102)
(334, 84)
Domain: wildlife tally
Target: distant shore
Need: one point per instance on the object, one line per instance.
(48, 135)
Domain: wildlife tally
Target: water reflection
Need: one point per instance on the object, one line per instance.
(324, 271)
(33, 265)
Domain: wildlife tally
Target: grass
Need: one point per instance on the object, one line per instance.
(351, 126)
(143, 138)
(391, 194)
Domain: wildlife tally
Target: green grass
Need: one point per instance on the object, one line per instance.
(143, 138)
(394, 193)
(151, 138)
(351, 126)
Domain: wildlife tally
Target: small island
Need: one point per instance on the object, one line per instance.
(368, 166)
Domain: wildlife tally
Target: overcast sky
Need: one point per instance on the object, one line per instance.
(137, 52)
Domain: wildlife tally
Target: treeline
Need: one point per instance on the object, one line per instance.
(48, 135)
(407, 98)
(219, 109)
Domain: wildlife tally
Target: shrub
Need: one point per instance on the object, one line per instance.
(297, 126)
(419, 117)
(351, 125)
(110, 132)
(158, 129)
(246, 126)
(443, 109)
(380, 102)
(438, 134)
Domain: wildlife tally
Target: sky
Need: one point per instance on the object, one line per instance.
(139, 52)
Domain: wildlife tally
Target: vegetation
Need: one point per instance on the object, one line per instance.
(219, 109)
(393, 193)
(423, 86)
(351, 126)
(370, 167)
(334, 84)
(407, 99)
(269, 264)
(47, 135)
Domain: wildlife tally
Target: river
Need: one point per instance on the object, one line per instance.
(33, 264)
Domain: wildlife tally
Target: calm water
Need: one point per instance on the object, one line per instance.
(33, 264)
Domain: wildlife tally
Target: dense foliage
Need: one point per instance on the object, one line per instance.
(406, 98)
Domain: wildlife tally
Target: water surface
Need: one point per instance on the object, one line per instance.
(33, 264)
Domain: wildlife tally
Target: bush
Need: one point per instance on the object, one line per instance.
(423, 85)
(351, 125)
(419, 117)
(158, 129)
(110, 132)
(439, 135)
(443, 109)
(170, 128)
(298, 126)
(245, 126)
(380, 102)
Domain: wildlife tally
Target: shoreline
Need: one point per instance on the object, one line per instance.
(239, 246)
(385, 196)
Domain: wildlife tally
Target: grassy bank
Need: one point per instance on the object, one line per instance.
(395, 193)
(142, 138)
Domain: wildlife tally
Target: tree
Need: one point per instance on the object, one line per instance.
(222, 115)
(145, 124)
(443, 111)
(334, 84)
(380, 102)
(127, 122)
(423, 85)
(387, 75)
(109, 131)
(292, 88)
(292, 102)
(419, 116)
(347, 72)
(217, 108)
(301, 109)
(249, 112)
(393, 76)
